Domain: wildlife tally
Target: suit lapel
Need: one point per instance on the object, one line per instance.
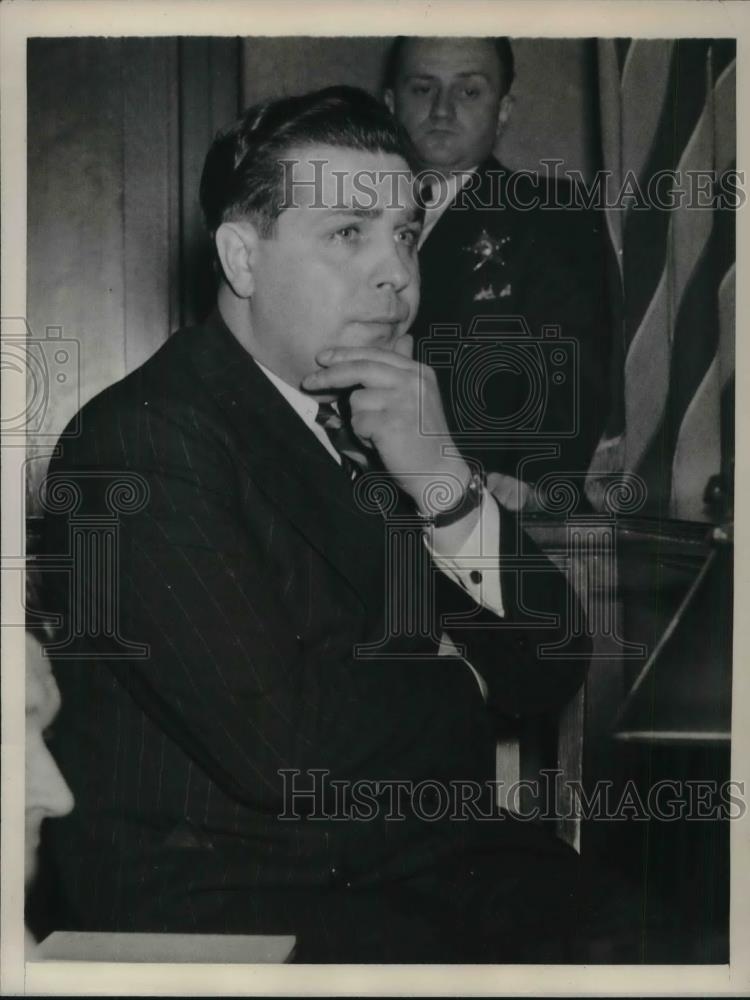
(289, 465)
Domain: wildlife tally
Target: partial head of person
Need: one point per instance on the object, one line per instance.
(452, 95)
(310, 202)
(47, 794)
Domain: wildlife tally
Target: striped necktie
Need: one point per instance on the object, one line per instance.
(353, 457)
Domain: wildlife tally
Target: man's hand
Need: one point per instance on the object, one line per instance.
(512, 493)
(396, 408)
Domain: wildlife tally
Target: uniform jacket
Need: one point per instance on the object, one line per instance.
(505, 386)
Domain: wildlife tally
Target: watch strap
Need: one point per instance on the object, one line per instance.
(470, 499)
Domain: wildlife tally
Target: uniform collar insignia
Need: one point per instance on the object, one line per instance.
(488, 250)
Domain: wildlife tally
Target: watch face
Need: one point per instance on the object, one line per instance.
(471, 498)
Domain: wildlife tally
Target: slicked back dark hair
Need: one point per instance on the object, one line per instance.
(502, 48)
(242, 176)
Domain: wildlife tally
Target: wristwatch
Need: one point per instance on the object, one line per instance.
(470, 499)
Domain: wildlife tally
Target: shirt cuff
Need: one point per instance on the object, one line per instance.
(476, 565)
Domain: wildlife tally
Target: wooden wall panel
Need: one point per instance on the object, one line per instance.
(75, 198)
(272, 67)
(150, 217)
(209, 101)
(554, 105)
(102, 207)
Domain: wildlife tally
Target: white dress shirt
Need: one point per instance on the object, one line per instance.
(440, 200)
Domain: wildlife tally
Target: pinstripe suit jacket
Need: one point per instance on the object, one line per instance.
(249, 575)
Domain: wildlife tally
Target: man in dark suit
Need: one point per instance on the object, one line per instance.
(501, 244)
(264, 715)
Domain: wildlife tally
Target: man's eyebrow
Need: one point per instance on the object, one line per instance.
(462, 75)
(415, 213)
(360, 213)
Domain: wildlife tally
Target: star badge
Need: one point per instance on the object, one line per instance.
(487, 250)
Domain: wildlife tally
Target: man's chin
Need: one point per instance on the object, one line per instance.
(440, 153)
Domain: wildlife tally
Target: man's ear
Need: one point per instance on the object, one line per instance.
(388, 99)
(237, 247)
(503, 114)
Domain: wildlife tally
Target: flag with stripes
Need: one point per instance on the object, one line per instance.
(668, 152)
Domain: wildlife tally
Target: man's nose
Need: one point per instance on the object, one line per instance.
(442, 105)
(392, 268)
(49, 791)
